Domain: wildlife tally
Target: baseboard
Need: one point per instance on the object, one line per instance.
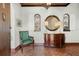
(73, 43)
(42, 44)
(38, 44)
(65, 43)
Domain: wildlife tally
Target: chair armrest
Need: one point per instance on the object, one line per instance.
(21, 42)
(31, 37)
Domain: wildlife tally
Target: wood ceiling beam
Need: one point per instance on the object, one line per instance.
(44, 4)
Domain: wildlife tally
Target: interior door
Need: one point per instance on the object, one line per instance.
(4, 29)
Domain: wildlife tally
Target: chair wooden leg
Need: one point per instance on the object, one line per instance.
(33, 43)
(21, 46)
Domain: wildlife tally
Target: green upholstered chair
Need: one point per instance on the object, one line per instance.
(25, 39)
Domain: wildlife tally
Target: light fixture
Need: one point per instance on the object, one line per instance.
(48, 5)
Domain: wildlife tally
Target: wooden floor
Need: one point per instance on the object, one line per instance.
(40, 50)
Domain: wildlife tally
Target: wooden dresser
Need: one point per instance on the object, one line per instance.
(54, 40)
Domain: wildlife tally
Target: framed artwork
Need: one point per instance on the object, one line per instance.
(66, 22)
(37, 22)
(19, 23)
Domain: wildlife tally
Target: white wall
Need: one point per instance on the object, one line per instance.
(26, 14)
(72, 9)
(72, 36)
(29, 13)
(15, 15)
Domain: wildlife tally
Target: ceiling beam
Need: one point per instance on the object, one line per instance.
(44, 4)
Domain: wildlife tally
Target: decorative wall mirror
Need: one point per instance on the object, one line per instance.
(52, 23)
(66, 22)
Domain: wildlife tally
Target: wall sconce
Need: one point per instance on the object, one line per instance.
(19, 23)
(3, 13)
(3, 16)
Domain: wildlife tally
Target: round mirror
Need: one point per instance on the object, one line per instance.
(52, 23)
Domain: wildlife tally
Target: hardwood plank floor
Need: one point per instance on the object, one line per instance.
(40, 50)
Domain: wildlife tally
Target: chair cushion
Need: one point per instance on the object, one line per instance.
(27, 41)
(25, 38)
(24, 35)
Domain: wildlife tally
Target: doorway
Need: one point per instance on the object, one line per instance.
(4, 29)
